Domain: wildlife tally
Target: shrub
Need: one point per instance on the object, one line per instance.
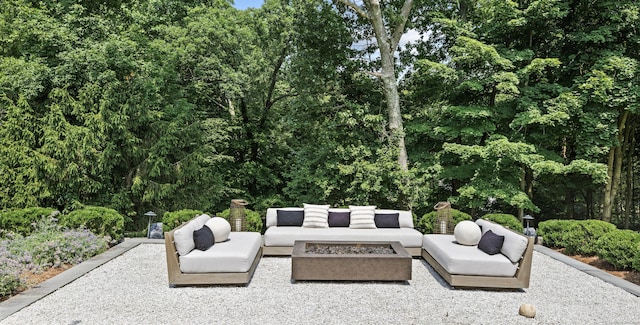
(426, 223)
(253, 219)
(619, 248)
(581, 236)
(22, 221)
(10, 270)
(506, 220)
(101, 221)
(174, 219)
(553, 232)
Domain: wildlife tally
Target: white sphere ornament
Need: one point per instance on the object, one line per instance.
(467, 233)
(220, 228)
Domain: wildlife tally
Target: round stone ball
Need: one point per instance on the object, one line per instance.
(467, 233)
(527, 310)
(220, 228)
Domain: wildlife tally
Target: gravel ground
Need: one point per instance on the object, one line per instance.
(132, 289)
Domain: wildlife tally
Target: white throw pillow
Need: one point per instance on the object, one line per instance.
(467, 233)
(220, 228)
(316, 216)
(362, 217)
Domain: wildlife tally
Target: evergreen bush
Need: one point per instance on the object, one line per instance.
(507, 220)
(23, 221)
(553, 232)
(581, 236)
(100, 220)
(619, 247)
(171, 220)
(426, 223)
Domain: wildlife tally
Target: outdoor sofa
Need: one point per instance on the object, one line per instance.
(468, 266)
(285, 226)
(232, 261)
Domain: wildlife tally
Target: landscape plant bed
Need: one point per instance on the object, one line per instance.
(632, 276)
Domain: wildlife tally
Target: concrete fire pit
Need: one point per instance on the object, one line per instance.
(350, 261)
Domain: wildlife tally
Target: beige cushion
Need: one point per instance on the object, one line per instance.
(232, 256)
(466, 260)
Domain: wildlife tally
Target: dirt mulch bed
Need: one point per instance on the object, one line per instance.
(632, 276)
(33, 279)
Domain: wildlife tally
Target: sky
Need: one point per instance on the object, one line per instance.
(244, 4)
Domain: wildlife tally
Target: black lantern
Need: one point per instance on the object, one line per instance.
(528, 230)
(150, 215)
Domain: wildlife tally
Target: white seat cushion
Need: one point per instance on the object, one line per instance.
(232, 256)
(466, 260)
(286, 236)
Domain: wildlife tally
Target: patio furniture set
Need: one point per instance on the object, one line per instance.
(358, 243)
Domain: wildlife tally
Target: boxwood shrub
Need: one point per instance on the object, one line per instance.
(100, 220)
(553, 232)
(581, 236)
(619, 247)
(507, 220)
(171, 220)
(23, 221)
(426, 223)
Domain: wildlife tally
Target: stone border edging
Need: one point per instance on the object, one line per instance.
(31, 295)
(591, 270)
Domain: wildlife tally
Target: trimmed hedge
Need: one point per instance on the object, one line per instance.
(621, 248)
(100, 220)
(171, 220)
(507, 220)
(253, 219)
(23, 221)
(553, 232)
(426, 223)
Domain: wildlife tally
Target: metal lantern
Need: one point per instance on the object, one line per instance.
(528, 230)
(150, 215)
(444, 220)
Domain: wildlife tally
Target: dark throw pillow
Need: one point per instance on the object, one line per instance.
(290, 218)
(387, 220)
(339, 219)
(203, 238)
(491, 243)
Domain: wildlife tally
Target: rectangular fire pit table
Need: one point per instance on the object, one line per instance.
(350, 261)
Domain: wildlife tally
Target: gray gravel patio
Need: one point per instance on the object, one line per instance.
(131, 288)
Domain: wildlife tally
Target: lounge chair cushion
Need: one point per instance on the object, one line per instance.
(514, 245)
(466, 260)
(183, 237)
(286, 236)
(231, 256)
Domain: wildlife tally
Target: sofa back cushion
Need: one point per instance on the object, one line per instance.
(339, 217)
(405, 218)
(183, 236)
(272, 215)
(514, 244)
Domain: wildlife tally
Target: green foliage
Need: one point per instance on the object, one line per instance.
(506, 220)
(101, 221)
(253, 219)
(171, 220)
(553, 232)
(23, 221)
(620, 248)
(582, 235)
(426, 224)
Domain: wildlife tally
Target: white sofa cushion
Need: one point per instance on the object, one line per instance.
(362, 217)
(235, 255)
(514, 244)
(183, 237)
(286, 236)
(316, 216)
(466, 260)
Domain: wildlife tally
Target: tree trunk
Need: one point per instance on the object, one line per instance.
(387, 44)
(614, 170)
(629, 181)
